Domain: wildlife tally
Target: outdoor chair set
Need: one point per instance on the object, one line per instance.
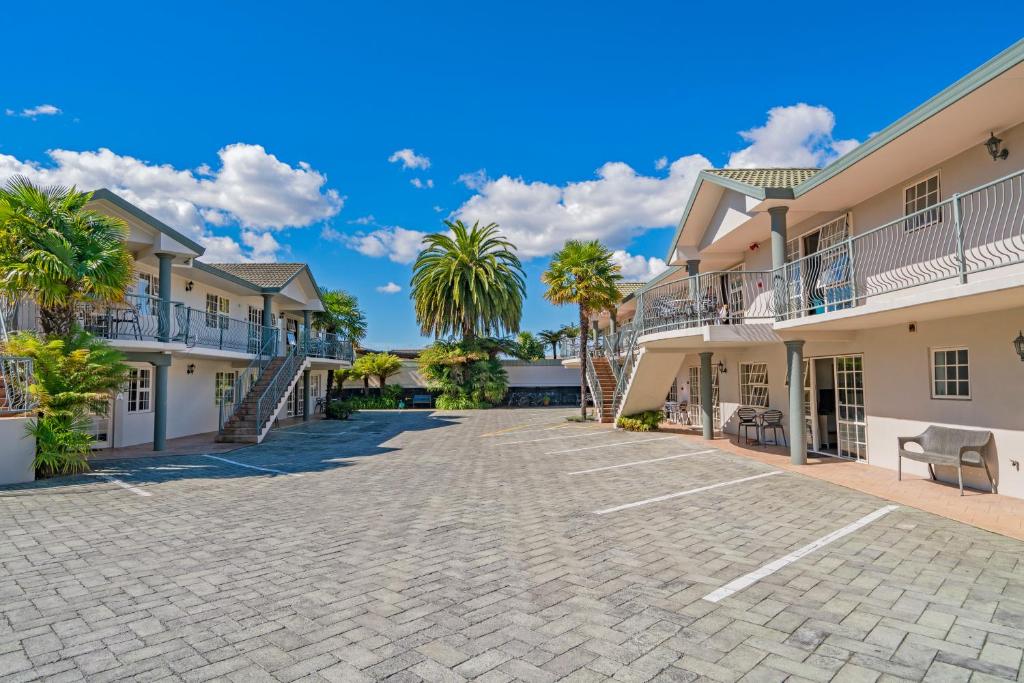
(685, 312)
(766, 421)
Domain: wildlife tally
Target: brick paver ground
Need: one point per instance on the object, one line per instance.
(442, 547)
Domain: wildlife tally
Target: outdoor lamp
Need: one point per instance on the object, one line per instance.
(721, 368)
(188, 286)
(992, 145)
(1018, 344)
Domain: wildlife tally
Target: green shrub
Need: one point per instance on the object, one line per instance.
(458, 402)
(338, 410)
(62, 443)
(466, 374)
(646, 421)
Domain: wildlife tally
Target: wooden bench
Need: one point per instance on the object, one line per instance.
(957, 448)
(420, 399)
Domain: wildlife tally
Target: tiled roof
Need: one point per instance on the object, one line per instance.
(627, 288)
(261, 274)
(766, 177)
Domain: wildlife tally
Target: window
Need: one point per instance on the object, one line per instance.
(139, 390)
(754, 385)
(673, 392)
(918, 198)
(224, 392)
(950, 374)
(147, 288)
(217, 309)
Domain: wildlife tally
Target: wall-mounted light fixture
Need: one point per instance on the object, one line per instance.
(721, 368)
(188, 286)
(993, 146)
(1018, 345)
(190, 369)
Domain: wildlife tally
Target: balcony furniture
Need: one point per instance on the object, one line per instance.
(422, 399)
(684, 413)
(957, 448)
(772, 420)
(672, 412)
(748, 420)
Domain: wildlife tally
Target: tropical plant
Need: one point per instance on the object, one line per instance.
(646, 421)
(62, 442)
(468, 283)
(379, 366)
(582, 273)
(59, 253)
(466, 374)
(528, 347)
(551, 338)
(341, 315)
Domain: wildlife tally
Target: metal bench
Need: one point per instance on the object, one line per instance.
(957, 448)
(420, 399)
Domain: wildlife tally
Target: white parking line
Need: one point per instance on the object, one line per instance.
(640, 462)
(126, 486)
(553, 438)
(517, 432)
(753, 577)
(610, 445)
(252, 467)
(685, 493)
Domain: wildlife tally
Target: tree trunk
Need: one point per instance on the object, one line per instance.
(583, 363)
(366, 385)
(554, 350)
(57, 320)
(330, 382)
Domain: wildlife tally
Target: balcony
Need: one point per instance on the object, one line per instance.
(716, 298)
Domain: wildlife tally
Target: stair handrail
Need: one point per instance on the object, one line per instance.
(275, 389)
(625, 378)
(16, 377)
(595, 387)
(249, 377)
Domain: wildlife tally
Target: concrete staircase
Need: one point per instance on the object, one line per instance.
(244, 426)
(606, 378)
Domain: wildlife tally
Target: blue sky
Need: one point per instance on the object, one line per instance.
(266, 129)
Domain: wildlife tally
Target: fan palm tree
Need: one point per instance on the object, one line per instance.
(59, 253)
(341, 315)
(379, 365)
(468, 282)
(582, 273)
(551, 337)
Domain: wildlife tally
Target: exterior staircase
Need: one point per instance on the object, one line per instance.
(606, 381)
(256, 412)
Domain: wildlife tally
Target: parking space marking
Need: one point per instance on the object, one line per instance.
(610, 445)
(125, 485)
(510, 432)
(554, 438)
(520, 426)
(753, 577)
(640, 462)
(252, 467)
(688, 492)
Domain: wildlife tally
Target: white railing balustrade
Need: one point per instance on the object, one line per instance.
(15, 380)
(714, 298)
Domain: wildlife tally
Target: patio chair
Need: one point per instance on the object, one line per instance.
(772, 419)
(672, 411)
(747, 421)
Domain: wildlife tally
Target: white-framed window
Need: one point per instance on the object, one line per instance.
(918, 197)
(754, 385)
(951, 373)
(224, 387)
(217, 309)
(146, 289)
(140, 390)
(673, 391)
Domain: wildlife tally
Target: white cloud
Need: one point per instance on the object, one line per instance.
(252, 189)
(33, 112)
(409, 159)
(363, 220)
(422, 184)
(661, 164)
(438, 209)
(474, 180)
(389, 288)
(396, 243)
(539, 217)
(636, 268)
(796, 136)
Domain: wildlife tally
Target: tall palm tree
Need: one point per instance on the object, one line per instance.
(582, 273)
(551, 337)
(341, 315)
(59, 253)
(468, 282)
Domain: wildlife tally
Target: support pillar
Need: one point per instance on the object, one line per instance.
(706, 408)
(160, 402)
(778, 220)
(269, 326)
(164, 315)
(306, 392)
(693, 267)
(693, 273)
(797, 437)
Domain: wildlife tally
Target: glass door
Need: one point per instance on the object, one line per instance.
(850, 419)
(694, 406)
(255, 329)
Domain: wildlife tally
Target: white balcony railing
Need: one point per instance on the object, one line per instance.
(714, 298)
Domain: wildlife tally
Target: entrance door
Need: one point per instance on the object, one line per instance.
(693, 408)
(850, 407)
(255, 329)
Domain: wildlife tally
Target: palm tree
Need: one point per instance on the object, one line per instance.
(59, 253)
(379, 365)
(551, 337)
(584, 274)
(341, 315)
(469, 282)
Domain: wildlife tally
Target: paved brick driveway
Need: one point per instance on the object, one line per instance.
(421, 546)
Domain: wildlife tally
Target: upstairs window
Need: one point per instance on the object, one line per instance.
(919, 197)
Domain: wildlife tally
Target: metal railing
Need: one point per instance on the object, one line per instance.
(15, 380)
(595, 387)
(968, 233)
(713, 298)
(275, 390)
(229, 403)
(327, 345)
(569, 347)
